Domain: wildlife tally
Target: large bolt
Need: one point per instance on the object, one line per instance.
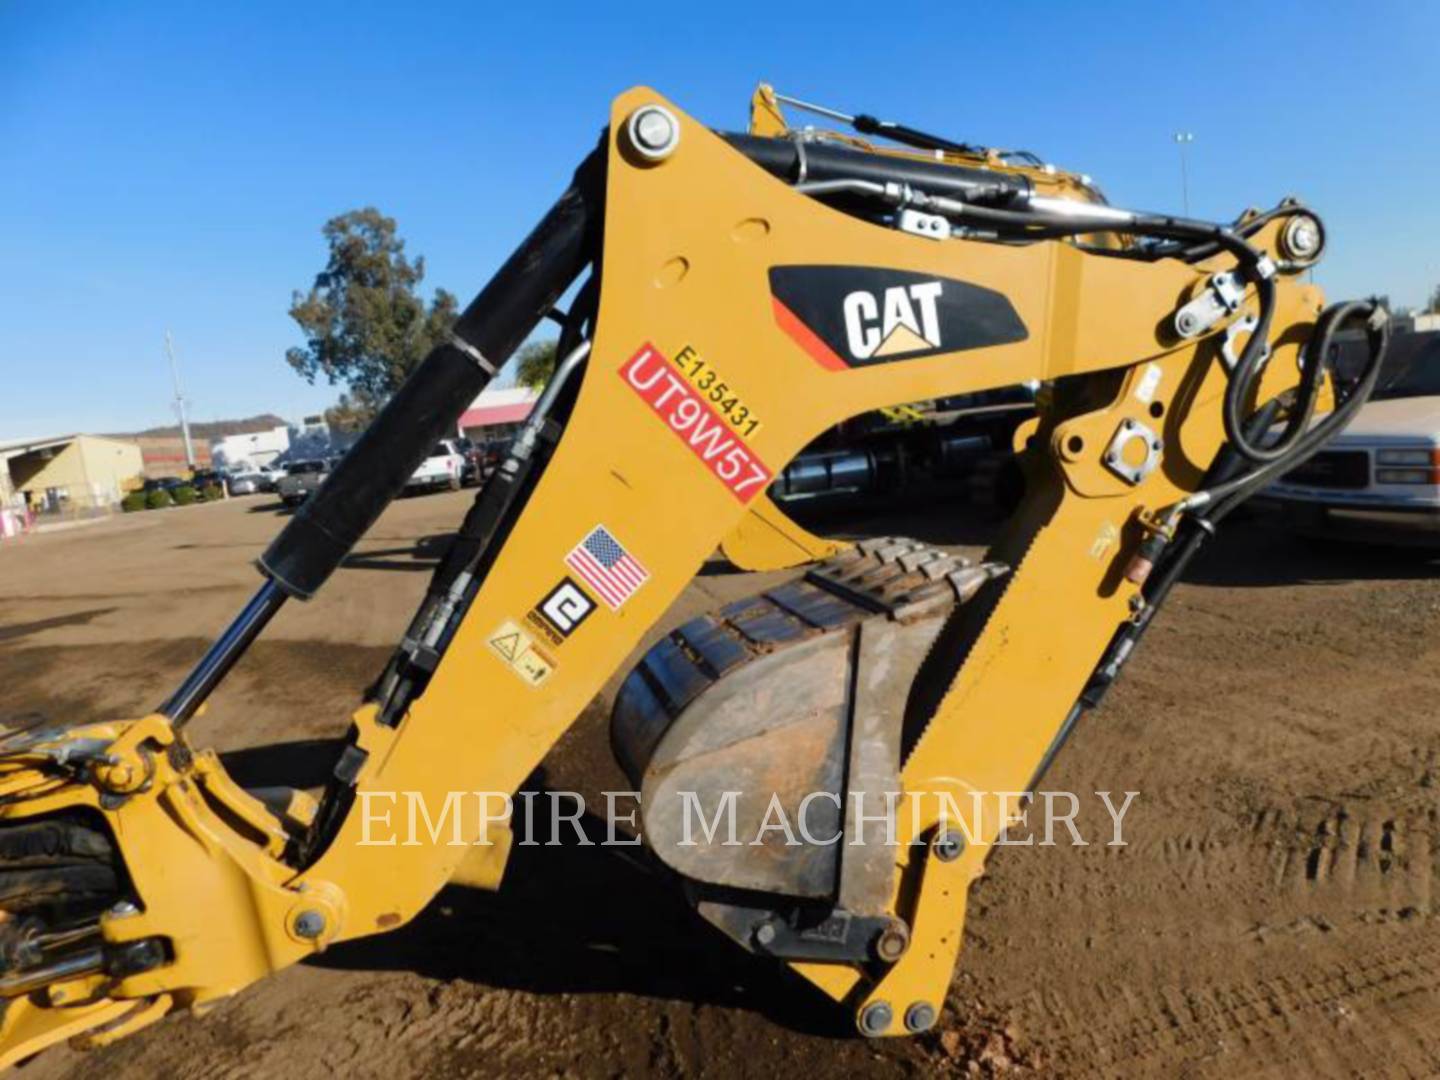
(309, 925)
(948, 845)
(1301, 238)
(766, 933)
(875, 1018)
(892, 942)
(920, 1016)
(653, 132)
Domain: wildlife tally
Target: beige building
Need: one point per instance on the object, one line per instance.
(71, 472)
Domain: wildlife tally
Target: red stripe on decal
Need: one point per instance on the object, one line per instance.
(806, 338)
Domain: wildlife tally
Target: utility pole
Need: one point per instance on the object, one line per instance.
(180, 403)
(1182, 140)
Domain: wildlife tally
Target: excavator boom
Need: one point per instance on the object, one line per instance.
(737, 296)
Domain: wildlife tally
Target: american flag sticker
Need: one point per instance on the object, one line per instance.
(603, 563)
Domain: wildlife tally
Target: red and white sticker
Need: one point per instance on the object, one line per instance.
(677, 402)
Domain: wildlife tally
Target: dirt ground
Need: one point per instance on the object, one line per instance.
(1272, 915)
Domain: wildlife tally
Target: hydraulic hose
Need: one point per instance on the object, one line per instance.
(1308, 441)
(1042, 225)
(1298, 438)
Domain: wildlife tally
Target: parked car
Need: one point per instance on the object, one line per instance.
(163, 483)
(481, 459)
(1380, 477)
(200, 479)
(484, 458)
(470, 471)
(442, 468)
(249, 482)
(301, 480)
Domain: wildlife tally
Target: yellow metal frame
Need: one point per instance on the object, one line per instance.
(689, 242)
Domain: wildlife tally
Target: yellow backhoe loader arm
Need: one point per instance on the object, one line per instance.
(746, 294)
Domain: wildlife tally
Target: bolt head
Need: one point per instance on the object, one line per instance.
(948, 846)
(892, 942)
(309, 925)
(875, 1018)
(1301, 238)
(653, 131)
(765, 933)
(920, 1016)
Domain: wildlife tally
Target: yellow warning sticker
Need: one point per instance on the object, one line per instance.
(520, 653)
(1108, 536)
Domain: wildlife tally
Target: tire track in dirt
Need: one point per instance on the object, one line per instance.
(1272, 914)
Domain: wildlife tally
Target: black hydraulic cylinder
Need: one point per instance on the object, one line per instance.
(827, 161)
(428, 405)
(923, 140)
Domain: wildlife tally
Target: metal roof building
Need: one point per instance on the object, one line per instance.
(68, 472)
(497, 412)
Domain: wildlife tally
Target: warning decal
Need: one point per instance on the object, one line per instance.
(518, 651)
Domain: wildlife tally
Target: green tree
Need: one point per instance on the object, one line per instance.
(365, 324)
(535, 363)
(353, 412)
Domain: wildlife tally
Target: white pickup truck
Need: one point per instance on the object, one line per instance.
(1380, 477)
(441, 469)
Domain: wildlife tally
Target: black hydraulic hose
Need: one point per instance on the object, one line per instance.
(431, 400)
(1297, 434)
(1311, 440)
(1175, 556)
(1252, 357)
(1246, 376)
(1247, 228)
(1227, 466)
(796, 161)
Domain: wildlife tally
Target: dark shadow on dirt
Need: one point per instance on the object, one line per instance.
(424, 554)
(279, 509)
(578, 918)
(1258, 550)
(78, 618)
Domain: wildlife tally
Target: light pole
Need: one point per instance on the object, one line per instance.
(1182, 140)
(180, 403)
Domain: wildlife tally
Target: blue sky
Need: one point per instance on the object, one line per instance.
(170, 165)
